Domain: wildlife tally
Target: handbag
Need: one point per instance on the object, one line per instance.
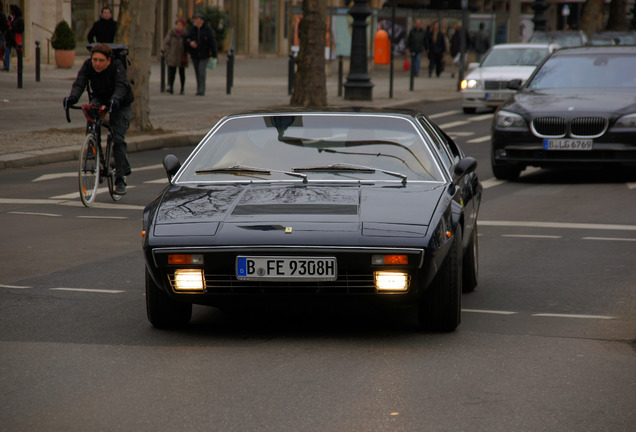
(184, 59)
(407, 64)
(211, 63)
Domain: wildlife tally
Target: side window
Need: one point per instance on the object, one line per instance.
(440, 144)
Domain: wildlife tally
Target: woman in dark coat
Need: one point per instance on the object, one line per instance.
(13, 37)
(175, 54)
(437, 48)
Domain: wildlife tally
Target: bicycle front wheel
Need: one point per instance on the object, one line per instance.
(88, 173)
(110, 171)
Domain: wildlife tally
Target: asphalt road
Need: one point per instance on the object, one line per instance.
(546, 341)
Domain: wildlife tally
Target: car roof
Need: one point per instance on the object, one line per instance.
(403, 112)
(525, 45)
(596, 49)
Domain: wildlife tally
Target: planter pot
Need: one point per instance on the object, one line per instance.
(64, 59)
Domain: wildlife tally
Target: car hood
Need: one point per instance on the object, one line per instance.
(574, 101)
(501, 73)
(362, 209)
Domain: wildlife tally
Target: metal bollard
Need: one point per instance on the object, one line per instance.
(230, 72)
(19, 50)
(163, 71)
(37, 61)
(291, 73)
(340, 73)
(413, 55)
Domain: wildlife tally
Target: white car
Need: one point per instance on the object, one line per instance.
(486, 85)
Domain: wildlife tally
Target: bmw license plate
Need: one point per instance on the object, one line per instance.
(286, 268)
(568, 144)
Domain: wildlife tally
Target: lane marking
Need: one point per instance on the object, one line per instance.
(158, 181)
(34, 213)
(462, 134)
(486, 311)
(29, 201)
(14, 286)
(555, 315)
(453, 124)
(107, 206)
(491, 182)
(610, 239)
(531, 236)
(99, 191)
(479, 140)
(481, 117)
(104, 291)
(560, 225)
(56, 176)
(444, 114)
(631, 185)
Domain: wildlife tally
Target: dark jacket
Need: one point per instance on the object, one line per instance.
(103, 31)
(437, 47)
(206, 43)
(417, 40)
(14, 33)
(111, 84)
(174, 48)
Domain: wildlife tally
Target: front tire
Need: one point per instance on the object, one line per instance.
(440, 305)
(88, 170)
(469, 110)
(162, 311)
(470, 264)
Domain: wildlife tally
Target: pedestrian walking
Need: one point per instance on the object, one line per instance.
(437, 48)
(13, 35)
(176, 58)
(416, 45)
(103, 30)
(481, 42)
(202, 45)
(4, 26)
(456, 47)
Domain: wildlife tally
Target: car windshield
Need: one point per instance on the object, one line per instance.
(586, 71)
(561, 38)
(314, 147)
(515, 57)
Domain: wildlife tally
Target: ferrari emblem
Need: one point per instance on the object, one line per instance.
(288, 230)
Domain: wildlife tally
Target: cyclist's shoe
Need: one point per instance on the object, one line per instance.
(120, 186)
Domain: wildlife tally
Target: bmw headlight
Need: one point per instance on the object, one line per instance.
(469, 84)
(507, 120)
(627, 121)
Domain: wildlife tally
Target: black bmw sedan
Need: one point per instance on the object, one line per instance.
(578, 107)
(315, 206)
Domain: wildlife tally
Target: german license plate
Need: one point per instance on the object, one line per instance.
(568, 144)
(283, 268)
(497, 96)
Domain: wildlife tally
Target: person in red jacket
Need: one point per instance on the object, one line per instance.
(13, 36)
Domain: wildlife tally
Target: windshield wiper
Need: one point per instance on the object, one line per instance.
(340, 167)
(244, 169)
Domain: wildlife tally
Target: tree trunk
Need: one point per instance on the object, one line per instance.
(592, 16)
(136, 28)
(310, 85)
(618, 16)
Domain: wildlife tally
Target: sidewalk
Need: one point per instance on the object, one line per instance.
(34, 129)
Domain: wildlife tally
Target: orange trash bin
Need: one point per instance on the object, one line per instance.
(382, 50)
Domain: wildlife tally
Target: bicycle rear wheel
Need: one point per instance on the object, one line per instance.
(88, 172)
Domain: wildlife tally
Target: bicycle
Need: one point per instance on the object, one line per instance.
(95, 163)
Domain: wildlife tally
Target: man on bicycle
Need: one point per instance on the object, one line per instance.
(108, 85)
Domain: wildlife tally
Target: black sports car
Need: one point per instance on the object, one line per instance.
(330, 205)
(578, 107)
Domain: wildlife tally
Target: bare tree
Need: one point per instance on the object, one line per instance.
(136, 29)
(592, 16)
(310, 85)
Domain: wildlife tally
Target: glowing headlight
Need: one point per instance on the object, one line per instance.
(391, 281)
(188, 280)
(506, 119)
(627, 121)
(469, 84)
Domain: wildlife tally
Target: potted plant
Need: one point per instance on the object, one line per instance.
(64, 42)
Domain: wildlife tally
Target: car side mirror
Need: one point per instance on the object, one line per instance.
(171, 164)
(463, 167)
(514, 84)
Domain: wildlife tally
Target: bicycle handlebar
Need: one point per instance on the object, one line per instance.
(101, 110)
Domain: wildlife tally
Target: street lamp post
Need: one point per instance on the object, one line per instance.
(359, 85)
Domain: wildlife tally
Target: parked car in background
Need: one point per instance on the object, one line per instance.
(577, 109)
(614, 38)
(486, 85)
(315, 206)
(565, 38)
